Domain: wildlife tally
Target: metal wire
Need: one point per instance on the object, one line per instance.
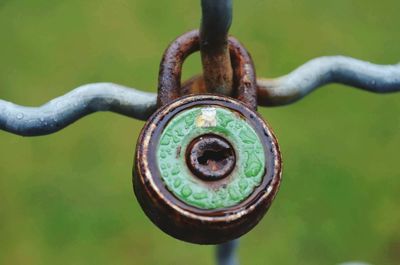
(215, 23)
(216, 20)
(64, 110)
(325, 70)
(90, 98)
(226, 253)
(217, 71)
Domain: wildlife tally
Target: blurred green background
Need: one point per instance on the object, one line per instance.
(67, 198)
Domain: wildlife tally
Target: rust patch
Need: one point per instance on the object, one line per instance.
(169, 80)
(189, 223)
(210, 157)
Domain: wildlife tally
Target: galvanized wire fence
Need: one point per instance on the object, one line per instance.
(84, 100)
(217, 16)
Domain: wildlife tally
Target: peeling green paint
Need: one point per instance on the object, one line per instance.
(192, 123)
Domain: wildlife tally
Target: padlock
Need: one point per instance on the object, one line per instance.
(207, 167)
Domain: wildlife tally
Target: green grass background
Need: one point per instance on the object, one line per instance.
(67, 198)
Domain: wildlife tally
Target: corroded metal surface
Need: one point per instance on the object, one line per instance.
(90, 98)
(169, 82)
(191, 223)
(215, 23)
(210, 157)
(60, 112)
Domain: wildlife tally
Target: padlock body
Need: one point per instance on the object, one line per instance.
(206, 169)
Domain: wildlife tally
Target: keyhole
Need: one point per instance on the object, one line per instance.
(210, 157)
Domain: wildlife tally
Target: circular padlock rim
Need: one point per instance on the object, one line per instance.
(155, 188)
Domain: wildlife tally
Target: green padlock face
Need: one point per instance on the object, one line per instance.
(207, 168)
(199, 142)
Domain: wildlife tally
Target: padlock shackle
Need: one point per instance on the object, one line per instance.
(169, 80)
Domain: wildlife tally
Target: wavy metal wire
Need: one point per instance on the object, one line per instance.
(325, 70)
(84, 100)
(216, 20)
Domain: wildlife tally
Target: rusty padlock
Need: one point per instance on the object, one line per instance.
(207, 167)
